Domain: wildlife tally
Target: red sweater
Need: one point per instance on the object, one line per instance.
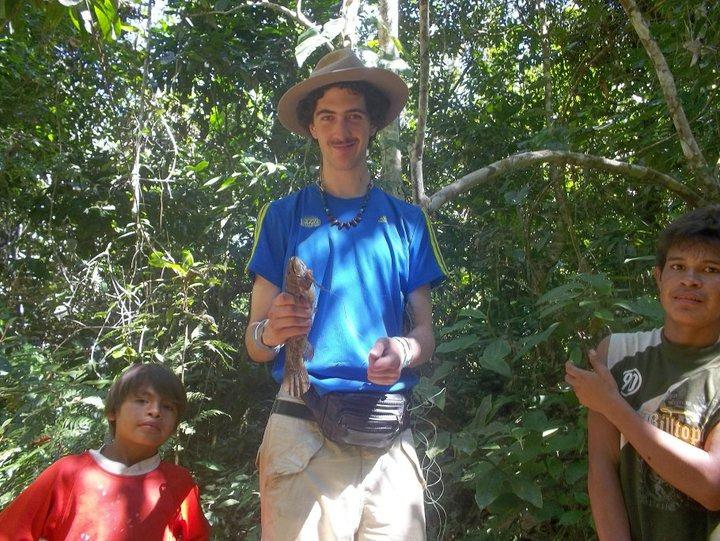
(76, 499)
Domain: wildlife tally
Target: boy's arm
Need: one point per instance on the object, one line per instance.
(286, 318)
(29, 516)
(606, 498)
(692, 470)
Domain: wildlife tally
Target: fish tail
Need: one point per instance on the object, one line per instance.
(299, 383)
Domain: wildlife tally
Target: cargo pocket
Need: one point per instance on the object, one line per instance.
(288, 446)
(408, 448)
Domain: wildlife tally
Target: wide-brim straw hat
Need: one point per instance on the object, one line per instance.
(336, 67)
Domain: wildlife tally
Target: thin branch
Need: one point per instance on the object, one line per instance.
(524, 160)
(416, 151)
(296, 15)
(689, 145)
(135, 175)
(556, 174)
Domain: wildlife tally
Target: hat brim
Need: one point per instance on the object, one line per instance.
(386, 81)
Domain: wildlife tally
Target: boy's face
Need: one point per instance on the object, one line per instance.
(144, 421)
(689, 285)
(341, 125)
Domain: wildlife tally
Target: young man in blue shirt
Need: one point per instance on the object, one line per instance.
(372, 256)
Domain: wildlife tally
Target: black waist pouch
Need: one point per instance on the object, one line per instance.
(368, 419)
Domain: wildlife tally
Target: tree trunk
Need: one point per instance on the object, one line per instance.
(417, 149)
(389, 138)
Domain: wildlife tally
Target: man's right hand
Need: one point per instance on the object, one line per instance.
(287, 317)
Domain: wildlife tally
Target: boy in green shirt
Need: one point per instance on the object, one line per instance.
(654, 453)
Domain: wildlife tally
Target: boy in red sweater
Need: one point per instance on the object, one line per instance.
(123, 492)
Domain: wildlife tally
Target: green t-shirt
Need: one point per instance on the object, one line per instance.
(673, 388)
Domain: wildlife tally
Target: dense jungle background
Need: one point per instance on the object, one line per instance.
(550, 141)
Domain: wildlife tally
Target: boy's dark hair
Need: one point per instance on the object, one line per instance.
(700, 226)
(376, 102)
(157, 376)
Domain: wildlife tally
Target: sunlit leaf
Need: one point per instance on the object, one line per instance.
(307, 46)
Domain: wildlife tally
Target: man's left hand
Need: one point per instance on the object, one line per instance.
(384, 362)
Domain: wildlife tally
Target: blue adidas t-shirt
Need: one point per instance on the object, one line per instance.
(364, 275)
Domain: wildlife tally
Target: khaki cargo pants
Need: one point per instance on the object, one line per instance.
(314, 489)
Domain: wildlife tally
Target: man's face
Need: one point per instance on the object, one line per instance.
(342, 128)
(689, 285)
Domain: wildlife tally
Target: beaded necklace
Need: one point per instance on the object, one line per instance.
(350, 223)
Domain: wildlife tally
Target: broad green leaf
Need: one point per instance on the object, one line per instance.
(104, 14)
(644, 306)
(485, 494)
(442, 371)
(576, 471)
(464, 442)
(499, 349)
(200, 166)
(562, 293)
(439, 445)
(488, 485)
(496, 365)
(227, 183)
(426, 391)
(535, 339)
(481, 414)
(605, 315)
(527, 490)
(600, 282)
(463, 342)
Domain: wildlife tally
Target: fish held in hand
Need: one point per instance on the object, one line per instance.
(299, 283)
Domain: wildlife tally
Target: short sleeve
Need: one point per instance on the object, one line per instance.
(194, 525)
(269, 245)
(30, 515)
(713, 415)
(426, 261)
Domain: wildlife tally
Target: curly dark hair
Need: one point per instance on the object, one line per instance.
(376, 102)
(700, 226)
(157, 376)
